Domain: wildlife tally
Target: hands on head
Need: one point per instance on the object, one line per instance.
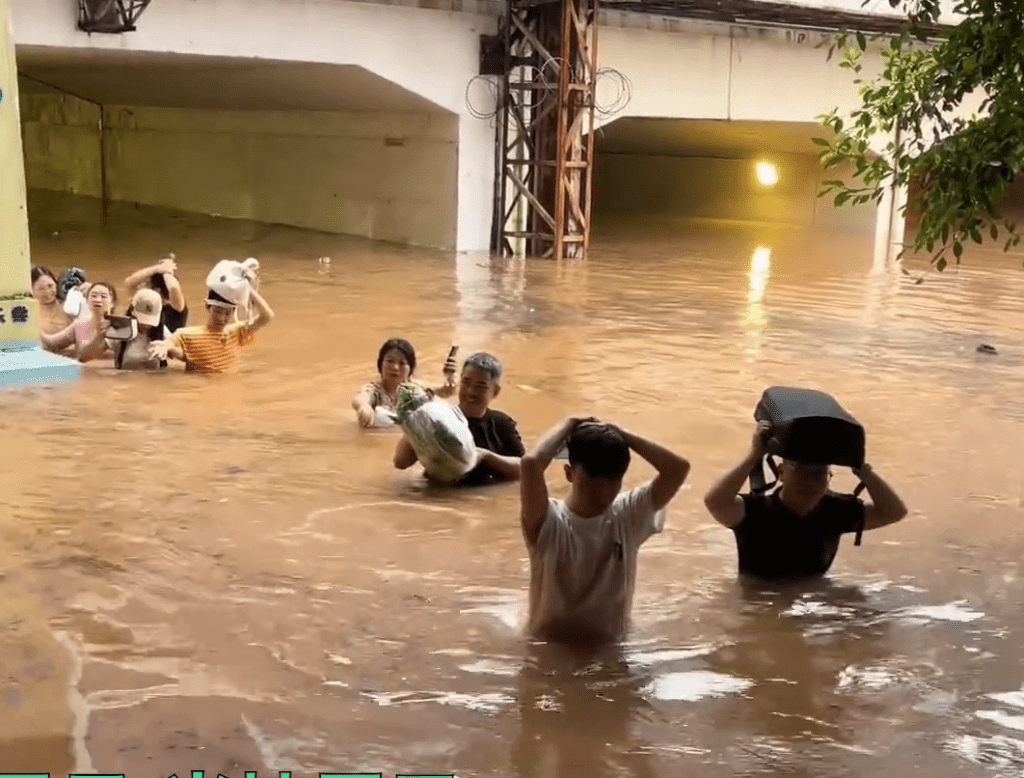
(759, 443)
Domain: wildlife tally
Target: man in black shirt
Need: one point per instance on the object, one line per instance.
(794, 532)
(495, 433)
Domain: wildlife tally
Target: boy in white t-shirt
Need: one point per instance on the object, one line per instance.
(583, 549)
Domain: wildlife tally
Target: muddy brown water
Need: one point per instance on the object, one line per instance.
(228, 575)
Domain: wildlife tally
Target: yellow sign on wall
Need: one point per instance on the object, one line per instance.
(17, 309)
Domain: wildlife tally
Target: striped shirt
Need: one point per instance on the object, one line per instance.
(213, 352)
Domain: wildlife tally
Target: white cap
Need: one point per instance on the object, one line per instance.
(147, 307)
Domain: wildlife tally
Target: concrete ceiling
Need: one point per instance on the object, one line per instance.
(228, 83)
(707, 138)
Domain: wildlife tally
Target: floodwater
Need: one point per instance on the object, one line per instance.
(226, 574)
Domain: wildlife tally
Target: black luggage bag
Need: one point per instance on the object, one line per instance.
(807, 426)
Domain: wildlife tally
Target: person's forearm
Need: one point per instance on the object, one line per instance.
(139, 277)
(887, 503)
(405, 455)
(175, 295)
(362, 400)
(724, 491)
(445, 390)
(175, 351)
(509, 468)
(659, 457)
(93, 349)
(265, 315)
(60, 340)
(546, 448)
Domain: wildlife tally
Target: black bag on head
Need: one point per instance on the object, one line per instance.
(807, 426)
(69, 279)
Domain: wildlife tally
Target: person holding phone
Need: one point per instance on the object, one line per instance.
(375, 403)
(88, 336)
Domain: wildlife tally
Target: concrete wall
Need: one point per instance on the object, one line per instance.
(699, 70)
(383, 176)
(710, 188)
(61, 137)
(434, 54)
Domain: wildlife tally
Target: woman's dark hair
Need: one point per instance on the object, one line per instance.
(38, 271)
(402, 346)
(159, 285)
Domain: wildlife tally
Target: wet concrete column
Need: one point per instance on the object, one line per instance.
(891, 220)
(21, 357)
(476, 183)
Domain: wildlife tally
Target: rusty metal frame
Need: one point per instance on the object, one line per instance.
(543, 191)
(110, 16)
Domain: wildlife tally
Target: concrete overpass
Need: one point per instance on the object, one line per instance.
(361, 118)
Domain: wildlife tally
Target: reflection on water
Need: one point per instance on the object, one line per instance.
(227, 574)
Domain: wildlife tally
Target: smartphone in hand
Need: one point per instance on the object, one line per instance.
(449, 363)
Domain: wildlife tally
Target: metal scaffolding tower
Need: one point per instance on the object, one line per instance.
(546, 114)
(109, 16)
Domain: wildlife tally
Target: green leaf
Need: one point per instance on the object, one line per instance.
(994, 232)
(958, 249)
(975, 235)
(820, 142)
(861, 41)
(941, 264)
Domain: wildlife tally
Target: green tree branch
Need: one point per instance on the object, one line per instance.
(962, 163)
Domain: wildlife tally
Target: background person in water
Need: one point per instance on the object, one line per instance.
(217, 346)
(494, 433)
(794, 531)
(133, 354)
(88, 336)
(375, 403)
(161, 279)
(52, 318)
(583, 549)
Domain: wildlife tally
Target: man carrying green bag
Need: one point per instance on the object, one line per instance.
(436, 432)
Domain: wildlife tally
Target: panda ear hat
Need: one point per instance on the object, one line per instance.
(227, 284)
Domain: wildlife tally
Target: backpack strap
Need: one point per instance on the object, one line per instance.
(119, 354)
(860, 526)
(758, 485)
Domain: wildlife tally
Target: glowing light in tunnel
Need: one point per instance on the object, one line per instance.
(767, 173)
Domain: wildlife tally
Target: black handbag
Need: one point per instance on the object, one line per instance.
(807, 425)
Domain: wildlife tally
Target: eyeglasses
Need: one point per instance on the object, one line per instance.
(814, 472)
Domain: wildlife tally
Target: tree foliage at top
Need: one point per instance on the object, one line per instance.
(963, 163)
